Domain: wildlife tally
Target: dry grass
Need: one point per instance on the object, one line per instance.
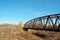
(13, 32)
(49, 35)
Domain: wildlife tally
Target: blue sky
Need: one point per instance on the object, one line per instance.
(14, 11)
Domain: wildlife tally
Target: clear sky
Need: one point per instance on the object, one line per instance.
(13, 11)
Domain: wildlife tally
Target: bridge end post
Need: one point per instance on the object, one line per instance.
(25, 29)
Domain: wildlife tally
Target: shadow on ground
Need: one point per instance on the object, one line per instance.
(40, 35)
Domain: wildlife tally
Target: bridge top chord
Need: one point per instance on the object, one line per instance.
(52, 15)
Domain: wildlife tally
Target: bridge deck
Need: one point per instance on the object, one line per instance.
(55, 30)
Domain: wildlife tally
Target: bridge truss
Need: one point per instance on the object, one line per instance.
(46, 22)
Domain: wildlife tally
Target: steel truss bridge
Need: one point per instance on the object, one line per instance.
(49, 22)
